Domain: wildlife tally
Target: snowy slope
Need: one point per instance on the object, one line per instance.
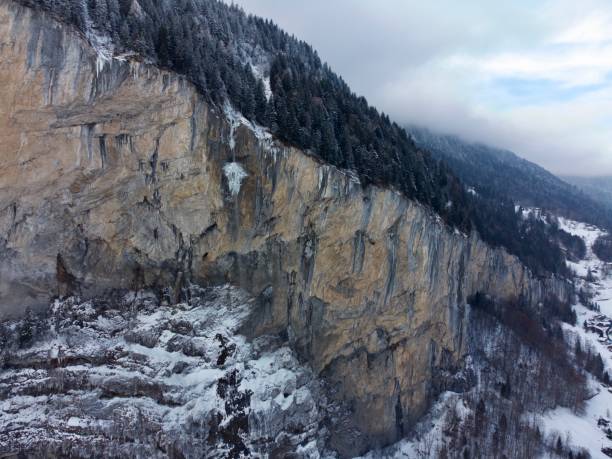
(584, 430)
(429, 435)
(134, 378)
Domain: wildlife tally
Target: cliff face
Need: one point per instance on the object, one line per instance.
(117, 175)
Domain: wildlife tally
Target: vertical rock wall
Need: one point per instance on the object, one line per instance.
(116, 175)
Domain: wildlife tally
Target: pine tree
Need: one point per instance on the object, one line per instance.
(161, 46)
(27, 329)
(261, 102)
(99, 13)
(114, 16)
(479, 418)
(578, 350)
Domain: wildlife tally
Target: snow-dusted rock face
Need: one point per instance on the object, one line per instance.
(235, 174)
(116, 176)
(133, 378)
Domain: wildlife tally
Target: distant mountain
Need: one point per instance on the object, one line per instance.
(599, 188)
(497, 174)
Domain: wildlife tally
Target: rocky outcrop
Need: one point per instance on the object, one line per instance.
(115, 174)
(128, 377)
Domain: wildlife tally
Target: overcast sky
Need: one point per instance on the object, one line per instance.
(533, 76)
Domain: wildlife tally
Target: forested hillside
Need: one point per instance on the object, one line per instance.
(598, 188)
(281, 83)
(497, 174)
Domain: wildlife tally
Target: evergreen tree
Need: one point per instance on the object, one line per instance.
(161, 46)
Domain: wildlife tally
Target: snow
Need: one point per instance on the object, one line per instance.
(104, 47)
(235, 174)
(428, 434)
(527, 212)
(76, 422)
(582, 430)
(236, 119)
(260, 73)
(156, 368)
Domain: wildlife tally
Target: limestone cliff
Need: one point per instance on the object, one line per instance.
(115, 174)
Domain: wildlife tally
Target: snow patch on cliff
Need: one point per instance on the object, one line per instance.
(102, 45)
(105, 49)
(235, 174)
(263, 135)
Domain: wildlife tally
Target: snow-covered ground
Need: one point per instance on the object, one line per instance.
(135, 378)
(428, 435)
(603, 283)
(584, 430)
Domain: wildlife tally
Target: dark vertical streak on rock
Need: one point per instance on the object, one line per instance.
(33, 44)
(193, 127)
(399, 412)
(103, 152)
(309, 251)
(66, 282)
(392, 248)
(358, 251)
(151, 178)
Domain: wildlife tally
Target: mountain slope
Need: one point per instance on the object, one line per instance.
(499, 174)
(598, 188)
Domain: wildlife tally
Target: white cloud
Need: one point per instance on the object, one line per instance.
(535, 77)
(575, 66)
(594, 28)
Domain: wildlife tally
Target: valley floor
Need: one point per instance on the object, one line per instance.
(589, 430)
